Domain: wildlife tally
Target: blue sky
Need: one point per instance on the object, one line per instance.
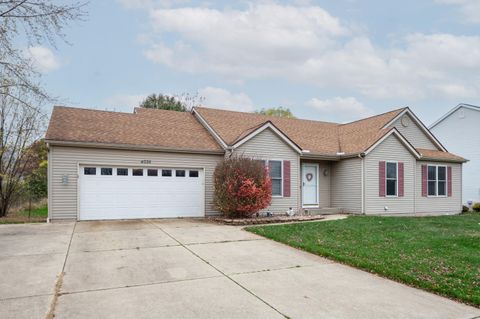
(325, 60)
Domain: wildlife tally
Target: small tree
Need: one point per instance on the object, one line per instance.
(181, 103)
(242, 186)
(277, 111)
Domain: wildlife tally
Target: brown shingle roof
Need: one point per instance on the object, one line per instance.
(325, 138)
(439, 155)
(145, 128)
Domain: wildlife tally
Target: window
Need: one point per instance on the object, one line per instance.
(137, 172)
(122, 171)
(193, 173)
(276, 176)
(106, 171)
(152, 172)
(392, 179)
(90, 171)
(180, 173)
(166, 172)
(437, 180)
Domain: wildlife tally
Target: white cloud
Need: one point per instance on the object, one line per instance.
(43, 59)
(340, 108)
(307, 44)
(125, 101)
(221, 98)
(469, 9)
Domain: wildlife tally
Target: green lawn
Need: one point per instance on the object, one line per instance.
(37, 215)
(38, 212)
(438, 254)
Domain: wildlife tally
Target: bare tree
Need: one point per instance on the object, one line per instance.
(24, 23)
(20, 126)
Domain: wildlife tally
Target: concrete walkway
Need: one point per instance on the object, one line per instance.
(189, 269)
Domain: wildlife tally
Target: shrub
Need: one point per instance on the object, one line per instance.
(476, 207)
(465, 209)
(242, 187)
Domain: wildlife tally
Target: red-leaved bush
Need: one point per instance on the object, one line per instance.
(242, 186)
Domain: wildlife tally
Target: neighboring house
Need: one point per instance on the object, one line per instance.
(459, 131)
(157, 163)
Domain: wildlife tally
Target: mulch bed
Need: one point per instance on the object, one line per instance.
(265, 220)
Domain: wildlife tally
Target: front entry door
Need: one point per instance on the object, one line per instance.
(310, 184)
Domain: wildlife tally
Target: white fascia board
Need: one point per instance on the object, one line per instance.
(402, 139)
(210, 129)
(466, 106)
(420, 124)
(274, 129)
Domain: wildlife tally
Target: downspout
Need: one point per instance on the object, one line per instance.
(362, 158)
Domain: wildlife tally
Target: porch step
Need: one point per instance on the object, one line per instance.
(322, 211)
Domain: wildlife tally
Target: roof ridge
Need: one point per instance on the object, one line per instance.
(269, 117)
(373, 116)
(87, 109)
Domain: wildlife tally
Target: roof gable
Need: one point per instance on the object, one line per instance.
(419, 124)
(312, 137)
(456, 108)
(267, 125)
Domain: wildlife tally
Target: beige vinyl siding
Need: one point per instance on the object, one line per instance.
(268, 145)
(346, 185)
(66, 160)
(447, 205)
(324, 182)
(414, 134)
(391, 149)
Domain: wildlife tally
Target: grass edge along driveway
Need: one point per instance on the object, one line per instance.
(438, 254)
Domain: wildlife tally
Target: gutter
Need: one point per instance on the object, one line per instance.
(362, 165)
(131, 147)
(445, 160)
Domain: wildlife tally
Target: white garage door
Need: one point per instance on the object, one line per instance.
(108, 192)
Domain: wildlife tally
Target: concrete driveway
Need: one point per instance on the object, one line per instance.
(188, 269)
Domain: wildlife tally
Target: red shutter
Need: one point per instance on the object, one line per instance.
(286, 179)
(400, 179)
(424, 180)
(449, 177)
(381, 179)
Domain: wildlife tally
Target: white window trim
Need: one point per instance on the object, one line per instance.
(436, 181)
(396, 179)
(282, 177)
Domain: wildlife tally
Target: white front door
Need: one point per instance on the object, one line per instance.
(310, 184)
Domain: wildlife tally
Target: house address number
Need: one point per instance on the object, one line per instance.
(145, 162)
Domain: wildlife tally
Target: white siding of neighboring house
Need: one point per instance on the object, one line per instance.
(446, 205)
(391, 149)
(267, 145)
(346, 185)
(414, 134)
(63, 201)
(459, 133)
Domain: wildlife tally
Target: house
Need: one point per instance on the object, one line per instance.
(458, 130)
(157, 163)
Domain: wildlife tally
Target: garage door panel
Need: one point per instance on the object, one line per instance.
(124, 197)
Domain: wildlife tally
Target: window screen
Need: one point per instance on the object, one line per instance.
(391, 179)
(276, 176)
